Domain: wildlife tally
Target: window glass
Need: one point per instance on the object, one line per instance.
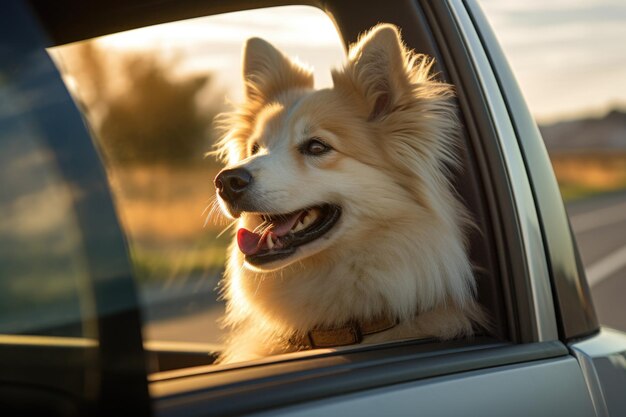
(44, 281)
(150, 96)
(569, 59)
(42, 266)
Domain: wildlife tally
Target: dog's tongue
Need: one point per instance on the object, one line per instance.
(250, 243)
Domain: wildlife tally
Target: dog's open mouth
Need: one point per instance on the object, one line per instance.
(279, 235)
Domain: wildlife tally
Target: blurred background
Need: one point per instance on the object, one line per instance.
(151, 95)
(569, 57)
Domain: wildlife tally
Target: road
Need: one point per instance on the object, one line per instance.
(184, 309)
(600, 228)
(599, 224)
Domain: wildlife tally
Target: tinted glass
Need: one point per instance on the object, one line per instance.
(43, 273)
(42, 266)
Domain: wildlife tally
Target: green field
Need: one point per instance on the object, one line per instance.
(583, 175)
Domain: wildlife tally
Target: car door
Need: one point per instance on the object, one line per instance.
(70, 340)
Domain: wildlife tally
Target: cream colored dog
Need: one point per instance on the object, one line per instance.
(348, 228)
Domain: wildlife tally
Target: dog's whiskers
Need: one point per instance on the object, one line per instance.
(207, 207)
(262, 228)
(231, 224)
(214, 212)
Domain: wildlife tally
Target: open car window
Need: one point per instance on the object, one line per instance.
(151, 97)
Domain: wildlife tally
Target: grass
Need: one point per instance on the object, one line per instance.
(584, 175)
(161, 209)
(573, 192)
(163, 263)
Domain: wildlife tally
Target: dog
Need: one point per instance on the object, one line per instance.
(348, 228)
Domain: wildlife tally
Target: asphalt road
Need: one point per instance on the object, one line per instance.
(600, 228)
(599, 224)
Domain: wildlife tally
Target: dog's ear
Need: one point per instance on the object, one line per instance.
(377, 64)
(267, 72)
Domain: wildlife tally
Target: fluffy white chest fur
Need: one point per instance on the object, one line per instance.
(344, 207)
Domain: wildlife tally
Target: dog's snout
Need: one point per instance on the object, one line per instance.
(232, 183)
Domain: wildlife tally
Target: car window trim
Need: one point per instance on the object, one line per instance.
(277, 384)
(531, 281)
(572, 295)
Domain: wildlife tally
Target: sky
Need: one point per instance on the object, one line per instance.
(214, 43)
(569, 56)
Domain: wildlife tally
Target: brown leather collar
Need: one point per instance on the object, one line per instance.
(350, 334)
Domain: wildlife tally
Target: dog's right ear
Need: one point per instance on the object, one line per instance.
(377, 64)
(267, 72)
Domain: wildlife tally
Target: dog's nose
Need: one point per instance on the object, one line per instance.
(232, 183)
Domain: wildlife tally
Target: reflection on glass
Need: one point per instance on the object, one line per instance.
(42, 266)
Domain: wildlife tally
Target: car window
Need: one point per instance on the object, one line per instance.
(568, 58)
(151, 96)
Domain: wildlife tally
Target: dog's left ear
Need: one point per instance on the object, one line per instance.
(267, 71)
(377, 63)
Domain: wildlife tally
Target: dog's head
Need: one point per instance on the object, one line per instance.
(315, 171)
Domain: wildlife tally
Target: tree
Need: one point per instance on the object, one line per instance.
(155, 118)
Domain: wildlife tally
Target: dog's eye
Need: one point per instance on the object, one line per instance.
(254, 148)
(314, 147)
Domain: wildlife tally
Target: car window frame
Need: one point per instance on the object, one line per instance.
(97, 20)
(102, 18)
(572, 295)
(530, 294)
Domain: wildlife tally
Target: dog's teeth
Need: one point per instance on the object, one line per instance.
(307, 220)
(270, 242)
(299, 226)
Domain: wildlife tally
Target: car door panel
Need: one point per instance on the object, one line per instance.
(543, 388)
(602, 358)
